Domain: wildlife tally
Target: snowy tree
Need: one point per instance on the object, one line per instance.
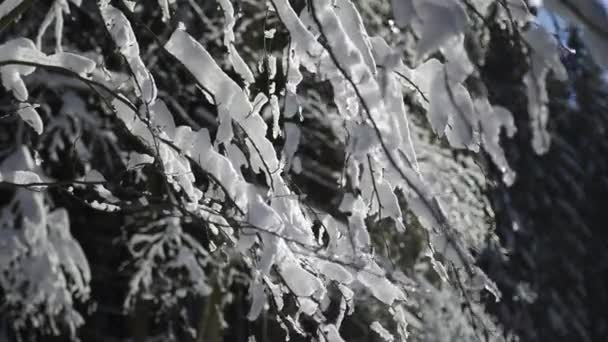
(326, 163)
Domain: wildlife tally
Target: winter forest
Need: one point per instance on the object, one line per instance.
(303, 170)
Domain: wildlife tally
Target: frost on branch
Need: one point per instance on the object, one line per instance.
(21, 58)
(43, 270)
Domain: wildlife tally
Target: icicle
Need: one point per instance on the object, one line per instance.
(234, 57)
(124, 38)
